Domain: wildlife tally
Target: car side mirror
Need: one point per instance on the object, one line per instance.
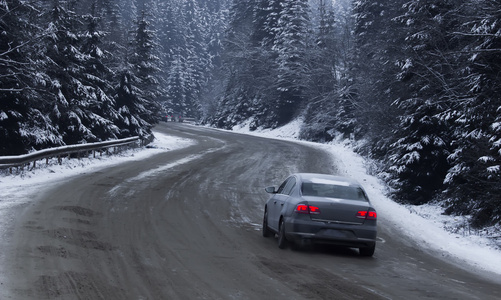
(270, 190)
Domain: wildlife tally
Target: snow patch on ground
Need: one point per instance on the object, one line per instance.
(448, 235)
(289, 131)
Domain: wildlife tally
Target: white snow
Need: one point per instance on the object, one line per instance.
(450, 236)
(426, 224)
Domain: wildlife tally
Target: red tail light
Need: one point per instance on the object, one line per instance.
(314, 210)
(302, 209)
(368, 215)
(307, 209)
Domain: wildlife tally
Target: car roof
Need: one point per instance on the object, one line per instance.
(314, 177)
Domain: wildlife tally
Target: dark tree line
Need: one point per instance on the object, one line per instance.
(443, 138)
(92, 70)
(417, 82)
(60, 82)
(265, 59)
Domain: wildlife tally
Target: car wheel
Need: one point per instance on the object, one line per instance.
(282, 240)
(367, 251)
(266, 231)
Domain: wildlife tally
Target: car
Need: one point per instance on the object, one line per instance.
(312, 208)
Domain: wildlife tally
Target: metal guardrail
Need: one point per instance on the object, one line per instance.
(21, 160)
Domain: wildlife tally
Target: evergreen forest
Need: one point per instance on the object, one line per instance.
(416, 84)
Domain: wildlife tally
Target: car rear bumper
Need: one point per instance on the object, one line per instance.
(349, 235)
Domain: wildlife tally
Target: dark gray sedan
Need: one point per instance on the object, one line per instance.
(318, 208)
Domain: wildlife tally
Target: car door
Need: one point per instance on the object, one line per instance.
(274, 206)
(286, 193)
(281, 198)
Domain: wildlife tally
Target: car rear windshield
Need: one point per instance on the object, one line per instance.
(333, 191)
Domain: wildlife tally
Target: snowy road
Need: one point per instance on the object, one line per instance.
(185, 224)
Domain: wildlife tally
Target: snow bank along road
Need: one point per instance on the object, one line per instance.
(185, 224)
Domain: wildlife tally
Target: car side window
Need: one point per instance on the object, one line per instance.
(289, 186)
(282, 186)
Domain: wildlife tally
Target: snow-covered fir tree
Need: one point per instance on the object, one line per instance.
(233, 105)
(474, 179)
(67, 94)
(23, 126)
(97, 90)
(291, 45)
(138, 87)
(325, 108)
(418, 156)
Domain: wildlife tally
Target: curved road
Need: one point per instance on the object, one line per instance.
(185, 224)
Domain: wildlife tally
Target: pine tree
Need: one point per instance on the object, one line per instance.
(474, 180)
(196, 58)
(419, 153)
(176, 86)
(13, 102)
(129, 12)
(373, 85)
(23, 127)
(324, 113)
(265, 19)
(260, 92)
(216, 19)
(189, 59)
(66, 93)
(291, 46)
(137, 92)
(169, 36)
(114, 42)
(95, 87)
(233, 106)
(143, 60)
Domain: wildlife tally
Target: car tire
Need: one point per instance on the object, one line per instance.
(266, 231)
(367, 251)
(282, 240)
